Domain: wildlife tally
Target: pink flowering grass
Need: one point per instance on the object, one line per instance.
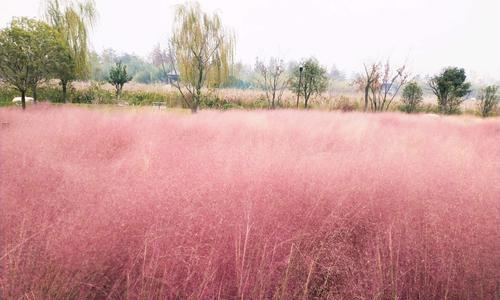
(248, 205)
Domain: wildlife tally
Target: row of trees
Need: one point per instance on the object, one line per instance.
(450, 88)
(305, 79)
(142, 70)
(201, 53)
(381, 85)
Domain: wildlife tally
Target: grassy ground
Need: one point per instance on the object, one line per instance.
(136, 204)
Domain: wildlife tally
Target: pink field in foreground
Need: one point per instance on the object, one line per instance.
(247, 205)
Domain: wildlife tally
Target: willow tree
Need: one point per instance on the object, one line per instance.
(73, 21)
(201, 52)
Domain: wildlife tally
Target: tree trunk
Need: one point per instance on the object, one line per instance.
(307, 91)
(23, 99)
(300, 84)
(33, 89)
(307, 95)
(367, 89)
(64, 84)
(196, 100)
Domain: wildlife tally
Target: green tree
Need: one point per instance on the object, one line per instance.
(201, 52)
(313, 80)
(450, 88)
(488, 100)
(412, 96)
(49, 52)
(118, 77)
(28, 50)
(73, 21)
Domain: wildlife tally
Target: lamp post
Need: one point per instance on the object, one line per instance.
(301, 69)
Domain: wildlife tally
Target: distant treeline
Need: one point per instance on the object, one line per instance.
(149, 70)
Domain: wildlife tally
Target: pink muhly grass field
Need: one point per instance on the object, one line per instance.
(250, 205)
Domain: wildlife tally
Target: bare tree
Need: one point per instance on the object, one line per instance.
(273, 79)
(381, 85)
(161, 59)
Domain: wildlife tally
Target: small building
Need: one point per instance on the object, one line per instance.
(172, 77)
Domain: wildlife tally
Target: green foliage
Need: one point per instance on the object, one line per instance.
(313, 80)
(7, 93)
(147, 98)
(143, 77)
(95, 94)
(412, 96)
(51, 93)
(488, 100)
(28, 50)
(450, 88)
(202, 52)
(118, 77)
(235, 82)
(48, 52)
(72, 20)
(139, 69)
(215, 102)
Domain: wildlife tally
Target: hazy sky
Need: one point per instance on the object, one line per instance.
(427, 34)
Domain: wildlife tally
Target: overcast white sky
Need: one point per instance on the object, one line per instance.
(428, 34)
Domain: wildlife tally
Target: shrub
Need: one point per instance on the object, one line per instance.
(142, 98)
(7, 94)
(345, 104)
(94, 94)
(52, 93)
(212, 101)
(247, 205)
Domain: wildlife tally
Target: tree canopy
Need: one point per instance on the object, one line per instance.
(488, 100)
(73, 21)
(312, 80)
(28, 51)
(118, 77)
(450, 88)
(412, 96)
